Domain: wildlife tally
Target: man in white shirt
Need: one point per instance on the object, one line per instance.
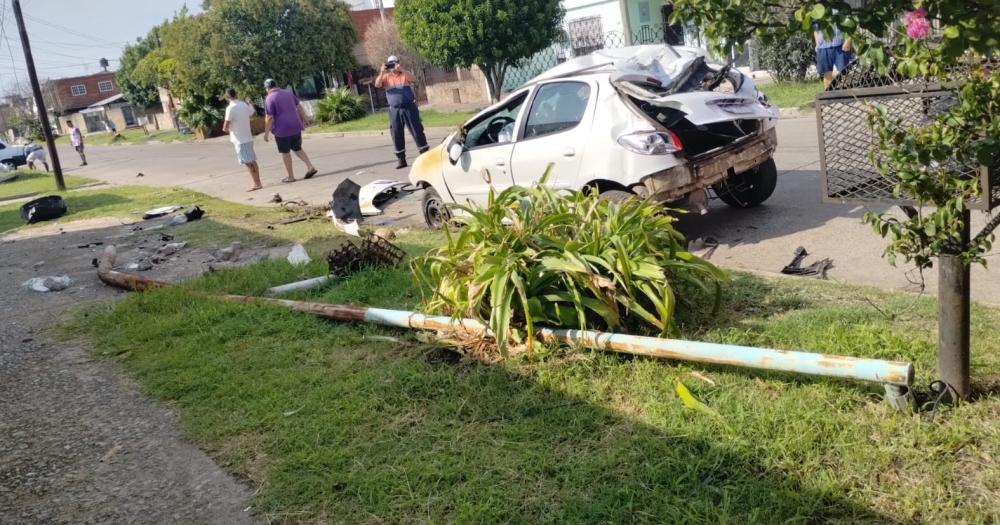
(237, 124)
(37, 155)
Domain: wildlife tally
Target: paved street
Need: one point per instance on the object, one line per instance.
(761, 239)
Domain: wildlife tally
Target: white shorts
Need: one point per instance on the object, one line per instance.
(245, 153)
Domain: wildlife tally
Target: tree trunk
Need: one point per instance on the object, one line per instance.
(491, 72)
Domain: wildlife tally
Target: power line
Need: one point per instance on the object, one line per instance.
(10, 48)
(70, 31)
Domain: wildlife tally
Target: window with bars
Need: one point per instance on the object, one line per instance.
(78, 90)
(586, 35)
(105, 85)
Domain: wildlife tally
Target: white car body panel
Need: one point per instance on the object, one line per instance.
(13, 155)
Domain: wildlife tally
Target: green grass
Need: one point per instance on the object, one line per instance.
(224, 221)
(335, 426)
(792, 94)
(380, 121)
(31, 182)
(130, 136)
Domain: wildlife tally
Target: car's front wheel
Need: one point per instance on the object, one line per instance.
(7, 165)
(435, 211)
(750, 188)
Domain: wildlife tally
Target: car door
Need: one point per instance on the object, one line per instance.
(485, 161)
(555, 131)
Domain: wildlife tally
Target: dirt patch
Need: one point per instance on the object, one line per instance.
(79, 443)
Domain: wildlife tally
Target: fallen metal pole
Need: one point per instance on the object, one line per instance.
(307, 284)
(862, 369)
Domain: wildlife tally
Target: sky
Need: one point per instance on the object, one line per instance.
(69, 37)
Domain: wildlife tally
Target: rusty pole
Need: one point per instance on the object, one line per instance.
(953, 320)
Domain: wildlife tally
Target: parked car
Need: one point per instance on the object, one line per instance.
(656, 121)
(14, 156)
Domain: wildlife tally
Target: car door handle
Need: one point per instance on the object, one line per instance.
(501, 162)
(570, 152)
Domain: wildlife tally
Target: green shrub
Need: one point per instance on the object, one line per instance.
(201, 112)
(788, 59)
(562, 259)
(340, 105)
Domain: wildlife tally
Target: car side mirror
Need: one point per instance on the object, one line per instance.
(455, 152)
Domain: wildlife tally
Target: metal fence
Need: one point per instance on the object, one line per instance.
(848, 144)
(583, 37)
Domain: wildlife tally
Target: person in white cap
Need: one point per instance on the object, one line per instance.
(403, 112)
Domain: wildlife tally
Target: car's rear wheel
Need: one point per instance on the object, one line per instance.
(617, 195)
(435, 211)
(750, 188)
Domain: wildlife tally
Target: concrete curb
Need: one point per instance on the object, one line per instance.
(371, 133)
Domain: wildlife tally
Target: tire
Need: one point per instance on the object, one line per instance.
(436, 214)
(8, 165)
(617, 196)
(750, 188)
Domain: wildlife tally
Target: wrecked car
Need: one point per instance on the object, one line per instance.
(655, 121)
(12, 156)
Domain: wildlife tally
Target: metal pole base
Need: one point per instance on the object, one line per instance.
(953, 324)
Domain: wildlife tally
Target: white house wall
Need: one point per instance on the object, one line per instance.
(609, 11)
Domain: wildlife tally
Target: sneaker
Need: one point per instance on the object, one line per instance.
(84, 164)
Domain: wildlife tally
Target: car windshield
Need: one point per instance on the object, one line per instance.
(488, 129)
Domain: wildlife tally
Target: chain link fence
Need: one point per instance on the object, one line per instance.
(848, 144)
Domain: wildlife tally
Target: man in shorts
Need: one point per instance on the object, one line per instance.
(286, 119)
(76, 140)
(237, 124)
(37, 155)
(830, 54)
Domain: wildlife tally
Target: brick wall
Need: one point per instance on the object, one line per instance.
(63, 100)
(468, 88)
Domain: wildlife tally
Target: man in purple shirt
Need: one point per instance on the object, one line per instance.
(285, 118)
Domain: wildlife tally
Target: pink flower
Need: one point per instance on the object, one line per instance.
(918, 28)
(919, 12)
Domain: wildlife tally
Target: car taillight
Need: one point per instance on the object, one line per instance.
(651, 142)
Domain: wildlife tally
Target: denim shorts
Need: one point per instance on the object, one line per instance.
(829, 57)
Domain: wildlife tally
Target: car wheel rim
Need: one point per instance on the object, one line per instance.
(434, 214)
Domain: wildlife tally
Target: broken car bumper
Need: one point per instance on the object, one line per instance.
(674, 183)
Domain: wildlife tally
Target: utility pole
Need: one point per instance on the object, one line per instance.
(43, 114)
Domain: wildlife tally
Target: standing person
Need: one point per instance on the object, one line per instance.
(237, 124)
(830, 54)
(286, 119)
(37, 155)
(403, 112)
(76, 139)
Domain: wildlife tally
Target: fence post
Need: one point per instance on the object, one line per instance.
(953, 320)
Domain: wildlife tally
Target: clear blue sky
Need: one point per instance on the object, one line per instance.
(69, 37)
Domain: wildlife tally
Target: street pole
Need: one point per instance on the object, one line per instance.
(953, 320)
(43, 114)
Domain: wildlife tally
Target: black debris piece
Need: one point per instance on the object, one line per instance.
(43, 209)
(816, 269)
(345, 203)
(194, 214)
(374, 251)
(90, 244)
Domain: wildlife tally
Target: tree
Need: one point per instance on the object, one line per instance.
(491, 34)
(286, 40)
(898, 33)
(382, 40)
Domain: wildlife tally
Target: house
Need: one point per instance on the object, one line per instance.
(92, 100)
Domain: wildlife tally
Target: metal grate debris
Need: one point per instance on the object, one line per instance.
(373, 252)
(847, 142)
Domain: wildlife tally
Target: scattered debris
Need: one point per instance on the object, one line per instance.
(111, 453)
(298, 255)
(374, 251)
(194, 214)
(160, 212)
(818, 268)
(169, 249)
(307, 284)
(141, 265)
(91, 244)
(38, 265)
(385, 233)
(372, 196)
(43, 209)
(231, 253)
(350, 228)
(276, 198)
(52, 283)
(703, 378)
(295, 203)
(166, 238)
(93, 262)
(140, 174)
(345, 204)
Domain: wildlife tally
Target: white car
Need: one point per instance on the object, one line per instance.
(654, 121)
(14, 156)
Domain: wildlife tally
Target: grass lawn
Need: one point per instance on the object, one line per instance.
(335, 425)
(792, 94)
(130, 136)
(380, 121)
(29, 182)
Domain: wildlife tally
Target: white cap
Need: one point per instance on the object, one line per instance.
(392, 59)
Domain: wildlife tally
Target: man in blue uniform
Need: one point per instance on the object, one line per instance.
(403, 112)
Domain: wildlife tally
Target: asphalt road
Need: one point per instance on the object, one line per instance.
(761, 239)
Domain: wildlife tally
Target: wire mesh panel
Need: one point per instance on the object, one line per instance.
(848, 144)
